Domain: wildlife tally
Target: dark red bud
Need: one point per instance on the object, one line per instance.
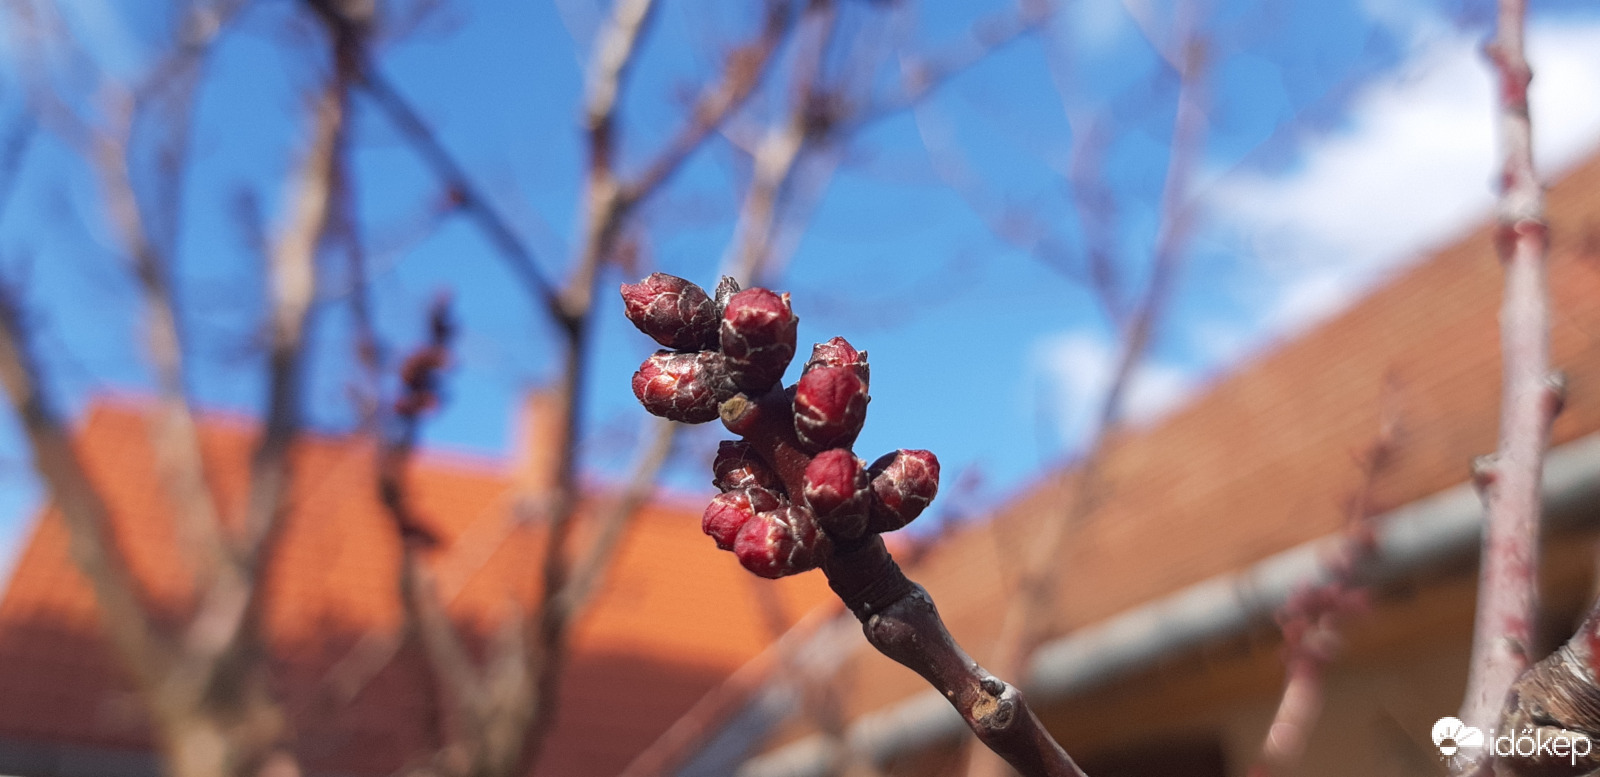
(903, 484)
(675, 312)
(684, 387)
(758, 337)
(838, 352)
(830, 405)
(839, 492)
(738, 465)
(728, 513)
(781, 542)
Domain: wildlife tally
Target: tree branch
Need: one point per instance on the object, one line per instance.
(591, 568)
(145, 650)
(794, 495)
(900, 620)
(1311, 620)
(1508, 579)
(744, 70)
(292, 278)
(465, 194)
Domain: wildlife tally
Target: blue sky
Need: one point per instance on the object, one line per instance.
(1343, 139)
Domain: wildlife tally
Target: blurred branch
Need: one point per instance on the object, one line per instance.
(460, 682)
(922, 77)
(778, 152)
(546, 640)
(743, 71)
(1027, 616)
(683, 739)
(615, 518)
(1311, 619)
(818, 676)
(13, 152)
(464, 193)
(609, 201)
(175, 437)
(292, 279)
(145, 650)
(610, 198)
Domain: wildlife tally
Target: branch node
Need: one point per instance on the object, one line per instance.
(1555, 393)
(1485, 470)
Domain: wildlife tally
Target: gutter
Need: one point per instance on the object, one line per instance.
(1435, 530)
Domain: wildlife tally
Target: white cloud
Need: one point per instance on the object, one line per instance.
(1077, 368)
(1411, 169)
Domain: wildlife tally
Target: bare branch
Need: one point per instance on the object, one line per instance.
(691, 730)
(1311, 620)
(1508, 600)
(781, 146)
(613, 522)
(460, 682)
(466, 195)
(741, 74)
(293, 278)
(144, 649)
(1026, 618)
(900, 621)
(922, 77)
(173, 79)
(546, 642)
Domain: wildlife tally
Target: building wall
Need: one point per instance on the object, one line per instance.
(1402, 667)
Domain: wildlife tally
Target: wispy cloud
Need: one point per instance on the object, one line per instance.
(1410, 169)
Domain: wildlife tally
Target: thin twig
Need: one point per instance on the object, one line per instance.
(613, 521)
(691, 730)
(467, 196)
(743, 71)
(1312, 619)
(1026, 618)
(782, 146)
(547, 636)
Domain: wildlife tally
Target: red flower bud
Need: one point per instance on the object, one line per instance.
(758, 337)
(781, 542)
(684, 387)
(728, 513)
(675, 312)
(830, 405)
(903, 483)
(738, 465)
(839, 492)
(838, 352)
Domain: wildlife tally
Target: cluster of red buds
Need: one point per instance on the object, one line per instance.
(793, 491)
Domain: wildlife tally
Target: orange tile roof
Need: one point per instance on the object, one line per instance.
(675, 617)
(1263, 460)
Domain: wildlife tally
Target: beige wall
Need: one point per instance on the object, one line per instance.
(1403, 667)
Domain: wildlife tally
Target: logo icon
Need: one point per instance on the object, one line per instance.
(1450, 734)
